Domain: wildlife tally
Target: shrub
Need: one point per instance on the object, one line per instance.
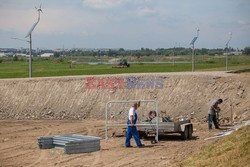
(15, 58)
(210, 61)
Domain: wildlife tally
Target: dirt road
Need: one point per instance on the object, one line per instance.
(18, 146)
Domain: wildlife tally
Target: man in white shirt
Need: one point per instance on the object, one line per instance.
(132, 131)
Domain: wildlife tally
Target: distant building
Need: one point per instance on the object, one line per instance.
(233, 53)
(21, 55)
(38, 50)
(46, 55)
(58, 50)
(236, 53)
(3, 54)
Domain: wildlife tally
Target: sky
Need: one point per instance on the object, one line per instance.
(129, 24)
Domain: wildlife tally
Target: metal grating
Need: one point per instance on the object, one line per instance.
(71, 144)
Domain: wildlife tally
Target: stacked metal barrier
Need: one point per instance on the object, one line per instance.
(45, 142)
(71, 144)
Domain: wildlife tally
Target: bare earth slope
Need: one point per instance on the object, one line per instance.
(67, 97)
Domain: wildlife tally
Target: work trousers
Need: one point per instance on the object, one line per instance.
(212, 119)
(132, 131)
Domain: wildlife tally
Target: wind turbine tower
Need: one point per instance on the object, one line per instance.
(192, 43)
(29, 34)
(227, 49)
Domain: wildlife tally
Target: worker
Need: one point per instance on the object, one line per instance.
(132, 131)
(212, 113)
(151, 116)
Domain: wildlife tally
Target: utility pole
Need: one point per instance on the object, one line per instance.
(30, 58)
(227, 49)
(193, 61)
(174, 55)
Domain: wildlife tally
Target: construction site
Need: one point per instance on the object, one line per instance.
(118, 83)
(32, 108)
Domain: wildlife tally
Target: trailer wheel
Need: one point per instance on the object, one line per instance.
(142, 135)
(153, 141)
(184, 135)
(190, 132)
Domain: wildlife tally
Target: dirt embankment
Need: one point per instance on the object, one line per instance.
(69, 98)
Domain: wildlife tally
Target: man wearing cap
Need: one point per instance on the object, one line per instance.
(132, 131)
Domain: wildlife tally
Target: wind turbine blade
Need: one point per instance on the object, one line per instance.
(20, 39)
(40, 5)
(31, 29)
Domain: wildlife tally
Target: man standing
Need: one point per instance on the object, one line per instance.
(132, 131)
(212, 112)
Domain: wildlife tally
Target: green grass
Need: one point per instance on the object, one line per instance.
(230, 151)
(242, 70)
(45, 68)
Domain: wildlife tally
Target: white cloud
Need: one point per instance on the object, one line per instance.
(16, 20)
(102, 4)
(145, 11)
(126, 23)
(53, 21)
(105, 4)
(243, 23)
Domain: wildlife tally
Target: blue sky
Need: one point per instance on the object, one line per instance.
(129, 24)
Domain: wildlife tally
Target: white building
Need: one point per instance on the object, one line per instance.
(21, 55)
(236, 53)
(233, 53)
(47, 55)
(2, 54)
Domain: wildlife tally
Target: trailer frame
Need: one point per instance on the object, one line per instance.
(107, 124)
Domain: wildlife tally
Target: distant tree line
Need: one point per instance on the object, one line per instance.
(150, 52)
(141, 52)
(247, 50)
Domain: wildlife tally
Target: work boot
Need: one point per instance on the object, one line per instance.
(141, 146)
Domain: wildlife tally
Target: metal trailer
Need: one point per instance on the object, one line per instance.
(109, 124)
(185, 128)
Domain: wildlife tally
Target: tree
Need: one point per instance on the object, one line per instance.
(138, 54)
(247, 50)
(122, 52)
(204, 51)
(56, 54)
(15, 58)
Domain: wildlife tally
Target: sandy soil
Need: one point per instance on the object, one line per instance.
(44, 99)
(18, 145)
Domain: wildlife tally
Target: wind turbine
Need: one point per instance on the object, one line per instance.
(192, 43)
(230, 37)
(30, 40)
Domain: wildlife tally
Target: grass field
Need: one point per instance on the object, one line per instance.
(55, 67)
(233, 150)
